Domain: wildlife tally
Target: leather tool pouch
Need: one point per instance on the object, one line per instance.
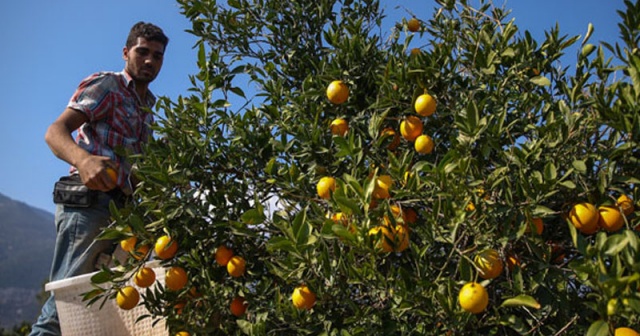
(70, 191)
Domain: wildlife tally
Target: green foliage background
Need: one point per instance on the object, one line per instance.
(516, 134)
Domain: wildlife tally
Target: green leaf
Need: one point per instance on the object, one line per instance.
(540, 81)
(541, 211)
(347, 205)
(568, 184)
(598, 328)
(614, 244)
(587, 50)
(280, 243)
(580, 166)
(550, 172)
(588, 34)
(521, 300)
(253, 216)
(101, 277)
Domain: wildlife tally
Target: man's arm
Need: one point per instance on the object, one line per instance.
(92, 168)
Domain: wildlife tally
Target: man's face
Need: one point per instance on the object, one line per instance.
(143, 60)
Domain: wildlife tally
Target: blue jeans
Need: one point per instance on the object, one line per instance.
(76, 252)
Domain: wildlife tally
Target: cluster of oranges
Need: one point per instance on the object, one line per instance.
(588, 220)
(165, 248)
(411, 127)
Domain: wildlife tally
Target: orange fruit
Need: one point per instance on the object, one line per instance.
(409, 215)
(325, 186)
(395, 138)
(339, 218)
(145, 277)
(236, 266)
(489, 264)
(626, 204)
(624, 331)
(391, 238)
(303, 297)
(384, 242)
(473, 297)
(127, 297)
(402, 238)
(610, 218)
(413, 25)
(411, 128)
(178, 307)
(538, 224)
(238, 307)
(175, 278)
(128, 244)
(382, 186)
(584, 217)
(470, 207)
(141, 252)
(425, 105)
(339, 127)
(337, 92)
(183, 333)
(165, 247)
(513, 261)
(223, 254)
(113, 174)
(424, 144)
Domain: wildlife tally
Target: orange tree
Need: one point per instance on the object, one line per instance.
(453, 165)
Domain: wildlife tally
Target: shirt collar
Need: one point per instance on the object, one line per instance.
(151, 98)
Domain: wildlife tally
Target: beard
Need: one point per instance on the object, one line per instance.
(143, 75)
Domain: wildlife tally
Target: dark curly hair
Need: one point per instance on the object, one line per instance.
(148, 31)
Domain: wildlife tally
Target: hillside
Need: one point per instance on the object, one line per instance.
(26, 249)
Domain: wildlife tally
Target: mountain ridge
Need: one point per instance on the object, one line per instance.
(26, 251)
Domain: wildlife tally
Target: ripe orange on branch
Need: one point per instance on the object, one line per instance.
(394, 142)
(325, 186)
(413, 25)
(303, 297)
(223, 255)
(473, 297)
(236, 266)
(339, 127)
(382, 186)
(175, 278)
(425, 105)
(337, 92)
(411, 128)
(489, 264)
(611, 218)
(238, 306)
(624, 331)
(145, 277)
(165, 247)
(538, 224)
(626, 204)
(584, 217)
(127, 298)
(424, 144)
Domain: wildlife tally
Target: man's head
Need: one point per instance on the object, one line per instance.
(144, 52)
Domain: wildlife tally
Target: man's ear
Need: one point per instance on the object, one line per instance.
(125, 53)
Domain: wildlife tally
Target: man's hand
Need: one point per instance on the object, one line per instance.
(93, 172)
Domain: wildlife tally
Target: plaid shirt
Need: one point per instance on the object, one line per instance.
(117, 119)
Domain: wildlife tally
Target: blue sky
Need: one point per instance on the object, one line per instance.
(50, 46)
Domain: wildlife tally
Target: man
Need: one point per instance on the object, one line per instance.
(110, 111)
